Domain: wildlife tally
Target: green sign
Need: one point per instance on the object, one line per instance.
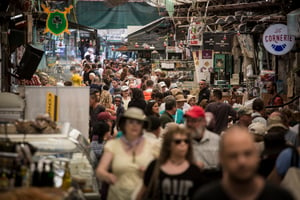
(57, 22)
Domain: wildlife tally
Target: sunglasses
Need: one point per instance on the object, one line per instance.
(134, 121)
(179, 141)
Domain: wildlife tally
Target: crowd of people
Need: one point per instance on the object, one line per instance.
(155, 140)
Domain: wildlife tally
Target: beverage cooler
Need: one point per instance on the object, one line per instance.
(61, 164)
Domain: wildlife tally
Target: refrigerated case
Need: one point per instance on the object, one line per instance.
(69, 145)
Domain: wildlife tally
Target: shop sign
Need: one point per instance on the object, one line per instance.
(57, 22)
(52, 105)
(276, 39)
(207, 54)
(208, 41)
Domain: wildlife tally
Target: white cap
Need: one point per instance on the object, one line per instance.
(257, 128)
(173, 85)
(162, 84)
(124, 88)
(157, 70)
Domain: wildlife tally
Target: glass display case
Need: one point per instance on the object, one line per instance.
(54, 153)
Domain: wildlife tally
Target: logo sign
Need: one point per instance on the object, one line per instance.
(57, 22)
(277, 41)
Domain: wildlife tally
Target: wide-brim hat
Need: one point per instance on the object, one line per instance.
(180, 98)
(189, 97)
(275, 121)
(134, 113)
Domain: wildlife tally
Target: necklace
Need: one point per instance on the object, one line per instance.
(132, 145)
(177, 163)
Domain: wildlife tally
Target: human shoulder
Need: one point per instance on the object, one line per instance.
(212, 135)
(210, 191)
(275, 192)
(111, 145)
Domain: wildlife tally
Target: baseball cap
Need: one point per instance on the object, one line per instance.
(162, 84)
(257, 128)
(105, 116)
(244, 111)
(195, 112)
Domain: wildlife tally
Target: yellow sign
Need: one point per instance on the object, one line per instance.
(52, 105)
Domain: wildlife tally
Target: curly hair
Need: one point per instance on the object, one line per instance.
(105, 99)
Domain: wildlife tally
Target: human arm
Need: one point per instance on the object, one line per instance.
(283, 163)
(102, 169)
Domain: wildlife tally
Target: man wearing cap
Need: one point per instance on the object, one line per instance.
(163, 86)
(244, 115)
(205, 142)
(278, 119)
(204, 92)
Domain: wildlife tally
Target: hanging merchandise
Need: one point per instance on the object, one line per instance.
(57, 22)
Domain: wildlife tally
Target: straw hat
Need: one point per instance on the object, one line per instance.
(180, 98)
(133, 113)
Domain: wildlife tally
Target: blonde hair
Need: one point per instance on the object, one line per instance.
(105, 99)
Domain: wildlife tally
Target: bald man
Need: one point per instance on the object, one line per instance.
(239, 159)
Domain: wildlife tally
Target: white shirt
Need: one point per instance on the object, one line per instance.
(207, 150)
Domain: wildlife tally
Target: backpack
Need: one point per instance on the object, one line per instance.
(291, 180)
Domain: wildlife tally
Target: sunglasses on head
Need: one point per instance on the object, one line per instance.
(179, 141)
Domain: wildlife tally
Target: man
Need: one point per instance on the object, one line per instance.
(239, 159)
(205, 143)
(204, 92)
(114, 84)
(221, 111)
(170, 110)
(258, 108)
(148, 91)
(244, 115)
(275, 98)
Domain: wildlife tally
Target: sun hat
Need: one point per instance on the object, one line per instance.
(134, 113)
(180, 98)
(244, 110)
(195, 112)
(275, 121)
(124, 88)
(189, 97)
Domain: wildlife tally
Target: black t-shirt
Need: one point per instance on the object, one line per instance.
(216, 191)
(174, 187)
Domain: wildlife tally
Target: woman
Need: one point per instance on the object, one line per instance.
(191, 100)
(127, 156)
(125, 96)
(106, 100)
(174, 170)
(100, 133)
(152, 108)
(138, 99)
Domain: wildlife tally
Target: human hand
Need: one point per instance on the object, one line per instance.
(111, 178)
(200, 164)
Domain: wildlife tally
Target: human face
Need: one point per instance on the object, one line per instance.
(117, 101)
(239, 157)
(125, 93)
(202, 85)
(133, 128)
(270, 88)
(155, 108)
(192, 102)
(245, 120)
(179, 147)
(114, 83)
(179, 104)
(196, 124)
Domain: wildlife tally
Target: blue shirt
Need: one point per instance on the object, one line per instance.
(283, 162)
